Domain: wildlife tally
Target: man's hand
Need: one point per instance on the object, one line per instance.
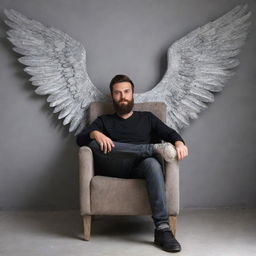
(182, 150)
(105, 142)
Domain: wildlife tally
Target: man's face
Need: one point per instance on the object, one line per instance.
(122, 96)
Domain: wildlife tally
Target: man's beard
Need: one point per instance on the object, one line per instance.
(121, 108)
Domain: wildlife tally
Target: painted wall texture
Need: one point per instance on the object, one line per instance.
(39, 158)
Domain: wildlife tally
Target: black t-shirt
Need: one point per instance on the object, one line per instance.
(142, 127)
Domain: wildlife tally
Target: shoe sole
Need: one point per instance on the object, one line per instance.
(166, 249)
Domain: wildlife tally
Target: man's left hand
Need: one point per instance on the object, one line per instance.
(182, 150)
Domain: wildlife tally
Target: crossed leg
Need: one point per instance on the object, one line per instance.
(127, 160)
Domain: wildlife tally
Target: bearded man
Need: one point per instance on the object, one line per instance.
(124, 146)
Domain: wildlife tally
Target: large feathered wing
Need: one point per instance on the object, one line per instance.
(198, 64)
(57, 64)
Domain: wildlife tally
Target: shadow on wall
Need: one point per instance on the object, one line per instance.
(58, 187)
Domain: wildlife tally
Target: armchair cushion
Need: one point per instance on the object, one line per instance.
(115, 196)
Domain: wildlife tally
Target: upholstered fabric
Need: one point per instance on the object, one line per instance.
(172, 187)
(100, 108)
(86, 173)
(127, 196)
(101, 195)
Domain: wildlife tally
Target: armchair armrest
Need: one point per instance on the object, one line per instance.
(86, 173)
(172, 185)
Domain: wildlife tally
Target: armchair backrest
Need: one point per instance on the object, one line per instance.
(100, 108)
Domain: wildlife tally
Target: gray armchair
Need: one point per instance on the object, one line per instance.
(100, 195)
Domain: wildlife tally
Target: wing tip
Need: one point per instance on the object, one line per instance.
(7, 11)
(10, 12)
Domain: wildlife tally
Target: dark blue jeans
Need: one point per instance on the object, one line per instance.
(135, 161)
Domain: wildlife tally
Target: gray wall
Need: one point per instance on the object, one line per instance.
(38, 157)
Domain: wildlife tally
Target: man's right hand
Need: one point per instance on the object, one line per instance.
(106, 144)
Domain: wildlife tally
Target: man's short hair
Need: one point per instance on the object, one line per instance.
(119, 79)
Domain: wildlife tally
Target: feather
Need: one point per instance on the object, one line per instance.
(198, 64)
(57, 64)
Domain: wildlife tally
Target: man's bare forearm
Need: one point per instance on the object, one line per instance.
(93, 133)
(104, 141)
(178, 142)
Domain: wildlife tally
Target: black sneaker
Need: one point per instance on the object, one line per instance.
(165, 239)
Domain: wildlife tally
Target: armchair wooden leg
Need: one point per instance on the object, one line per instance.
(172, 223)
(87, 227)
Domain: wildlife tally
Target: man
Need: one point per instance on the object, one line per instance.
(124, 145)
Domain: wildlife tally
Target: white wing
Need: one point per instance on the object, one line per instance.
(57, 64)
(198, 64)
